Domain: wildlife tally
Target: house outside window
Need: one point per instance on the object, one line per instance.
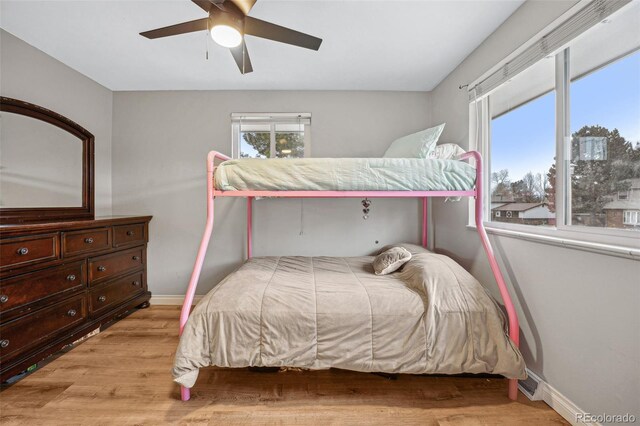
(271, 135)
(562, 135)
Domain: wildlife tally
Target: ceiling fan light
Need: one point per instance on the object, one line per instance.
(226, 36)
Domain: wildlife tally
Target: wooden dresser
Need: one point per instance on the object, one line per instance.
(61, 280)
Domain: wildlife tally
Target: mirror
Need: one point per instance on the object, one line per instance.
(46, 165)
(40, 164)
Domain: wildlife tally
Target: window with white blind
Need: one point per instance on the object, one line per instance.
(559, 126)
(632, 217)
(276, 135)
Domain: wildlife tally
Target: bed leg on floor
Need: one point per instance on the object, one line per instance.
(185, 393)
(513, 389)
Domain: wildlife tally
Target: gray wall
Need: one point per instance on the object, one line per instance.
(578, 310)
(30, 75)
(160, 143)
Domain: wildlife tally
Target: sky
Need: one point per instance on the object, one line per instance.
(523, 140)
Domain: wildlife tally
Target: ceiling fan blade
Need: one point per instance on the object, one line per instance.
(204, 4)
(207, 5)
(241, 56)
(185, 27)
(263, 29)
(244, 5)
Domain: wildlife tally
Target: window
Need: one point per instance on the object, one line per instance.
(561, 135)
(498, 214)
(605, 126)
(631, 218)
(281, 135)
(522, 138)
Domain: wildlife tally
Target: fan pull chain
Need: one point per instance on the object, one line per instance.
(301, 216)
(206, 42)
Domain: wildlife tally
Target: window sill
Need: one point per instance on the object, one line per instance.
(561, 240)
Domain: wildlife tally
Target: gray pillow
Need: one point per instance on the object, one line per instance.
(390, 260)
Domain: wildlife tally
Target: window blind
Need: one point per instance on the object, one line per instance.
(594, 12)
(255, 118)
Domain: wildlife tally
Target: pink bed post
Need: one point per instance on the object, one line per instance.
(249, 227)
(425, 217)
(514, 327)
(185, 394)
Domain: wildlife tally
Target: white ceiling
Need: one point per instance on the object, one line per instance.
(368, 45)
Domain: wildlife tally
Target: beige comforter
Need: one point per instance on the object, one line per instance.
(323, 312)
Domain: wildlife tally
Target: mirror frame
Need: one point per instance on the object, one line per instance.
(51, 214)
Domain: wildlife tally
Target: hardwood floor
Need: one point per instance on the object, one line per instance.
(122, 376)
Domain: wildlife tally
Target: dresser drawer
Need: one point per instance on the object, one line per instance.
(29, 288)
(128, 234)
(85, 241)
(104, 267)
(106, 296)
(18, 252)
(20, 335)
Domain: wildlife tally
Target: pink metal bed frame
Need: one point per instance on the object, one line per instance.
(212, 193)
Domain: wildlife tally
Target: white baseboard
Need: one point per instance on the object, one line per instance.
(554, 399)
(562, 405)
(170, 299)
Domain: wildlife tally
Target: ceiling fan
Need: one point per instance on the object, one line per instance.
(228, 23)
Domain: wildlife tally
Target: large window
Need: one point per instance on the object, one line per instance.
(562, 137)
(279, 135)
(523, 146)
(605, 136)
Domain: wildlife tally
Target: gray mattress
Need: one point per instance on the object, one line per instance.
(323, 312)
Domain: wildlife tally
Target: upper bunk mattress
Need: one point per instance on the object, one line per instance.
(344, 174)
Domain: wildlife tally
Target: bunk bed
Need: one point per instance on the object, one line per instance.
(228, 328)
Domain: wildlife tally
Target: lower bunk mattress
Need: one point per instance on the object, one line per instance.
(334, 312)
(344, 174)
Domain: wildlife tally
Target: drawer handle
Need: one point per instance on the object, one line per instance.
(102, 268)
(4, 343)
(135, 257)
(130, 233)
(102, 298)
(22, 251)
(88, 240)
(136, 283)
(72, 312)
(4, 298)
(71, 277)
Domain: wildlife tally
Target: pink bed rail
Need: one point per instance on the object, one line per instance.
(212, 193)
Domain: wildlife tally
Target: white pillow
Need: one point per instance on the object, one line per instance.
(391, 260)
(447, 151)
(411, 248)
(416, 145)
